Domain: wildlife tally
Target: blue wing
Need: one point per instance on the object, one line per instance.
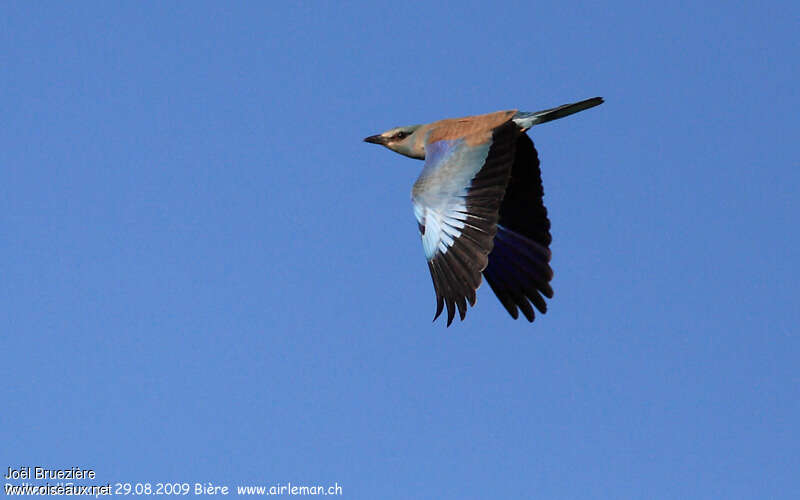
(519, 272)
(456, 202)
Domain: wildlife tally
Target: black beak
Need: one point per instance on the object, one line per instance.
(375, 139)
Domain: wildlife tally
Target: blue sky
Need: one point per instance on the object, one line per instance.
(207, 276)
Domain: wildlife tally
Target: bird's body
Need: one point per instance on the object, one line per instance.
(478, 202)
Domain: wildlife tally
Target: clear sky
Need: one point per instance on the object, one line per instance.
(208, 277)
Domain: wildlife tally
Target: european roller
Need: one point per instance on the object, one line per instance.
(478, 203)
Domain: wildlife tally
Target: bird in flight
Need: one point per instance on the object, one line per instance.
(478, 203)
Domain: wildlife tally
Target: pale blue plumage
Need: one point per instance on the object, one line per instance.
(439, 193)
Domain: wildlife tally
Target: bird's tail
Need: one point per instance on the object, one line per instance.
(526, 120)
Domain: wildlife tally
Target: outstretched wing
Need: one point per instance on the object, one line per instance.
(519, 270)
(457, 201)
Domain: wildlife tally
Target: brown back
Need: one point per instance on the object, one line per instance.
(474, 129)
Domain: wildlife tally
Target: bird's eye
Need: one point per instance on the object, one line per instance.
(400, 135)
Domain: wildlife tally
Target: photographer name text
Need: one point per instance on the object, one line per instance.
(45, 473)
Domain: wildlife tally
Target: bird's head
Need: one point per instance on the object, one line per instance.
(403, 140)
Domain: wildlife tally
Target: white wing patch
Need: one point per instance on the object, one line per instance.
(442, 227)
